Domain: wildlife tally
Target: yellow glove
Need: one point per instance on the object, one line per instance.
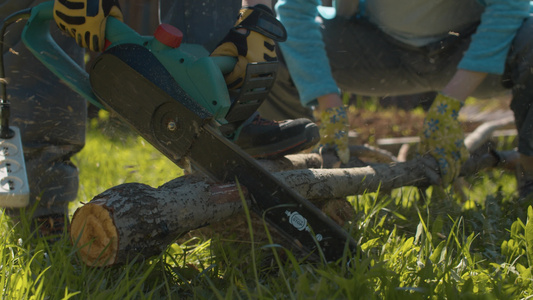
(85, 20)
(443, 137)
(334, 131)
(255, 45)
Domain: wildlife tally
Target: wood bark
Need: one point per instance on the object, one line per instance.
(481, 135)
(136, 219)
(485, 131)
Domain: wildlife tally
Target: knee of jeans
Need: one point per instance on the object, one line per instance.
(520, 59)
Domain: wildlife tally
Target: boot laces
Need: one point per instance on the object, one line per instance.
(264, 122)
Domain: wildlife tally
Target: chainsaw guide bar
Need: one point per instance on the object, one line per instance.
(143, 95)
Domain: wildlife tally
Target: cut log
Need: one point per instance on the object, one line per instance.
(135, 219)
(293, 162)
(473, 140)
(368, 152)
(485, 131)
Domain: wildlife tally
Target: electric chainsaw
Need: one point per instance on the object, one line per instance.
(174, 95)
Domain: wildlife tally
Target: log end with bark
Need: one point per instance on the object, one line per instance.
(94, 233)
(135, 219)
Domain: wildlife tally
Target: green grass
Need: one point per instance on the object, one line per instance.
(417, 246)
(114, 155)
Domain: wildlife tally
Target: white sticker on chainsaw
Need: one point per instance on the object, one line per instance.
(300, 222)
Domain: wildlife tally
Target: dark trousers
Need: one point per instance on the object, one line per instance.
(203, 22)
(366, 61)
(50, 116)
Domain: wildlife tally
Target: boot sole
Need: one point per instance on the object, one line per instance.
(309, 137)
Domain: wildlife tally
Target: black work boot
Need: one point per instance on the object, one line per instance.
(262, 138)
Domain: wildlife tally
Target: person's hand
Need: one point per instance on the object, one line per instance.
(334, 131)
(85, 20)
(251, 40)
(443, 137)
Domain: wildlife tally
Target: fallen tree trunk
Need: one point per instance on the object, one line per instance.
(135, 219)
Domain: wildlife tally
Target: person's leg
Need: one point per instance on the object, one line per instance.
(141, 15)
(51, 119)
(283, 101)
(206, 23)
(365, 61)
(518, 75)
(203, 22)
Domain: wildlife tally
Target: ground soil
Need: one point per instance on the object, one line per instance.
(373, 122)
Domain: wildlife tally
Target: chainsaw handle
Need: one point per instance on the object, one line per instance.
(224, 63)
(36, 36)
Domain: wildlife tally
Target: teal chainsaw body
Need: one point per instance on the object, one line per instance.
(176, 98)
(198, 74)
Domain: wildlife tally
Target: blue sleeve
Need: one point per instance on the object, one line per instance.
(491, 42)
(304, 50)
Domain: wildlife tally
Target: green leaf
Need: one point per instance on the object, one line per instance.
(419, 232)
(436, 255)
(468, 286)
(516, 228)
(505, 248)
(529, 236)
